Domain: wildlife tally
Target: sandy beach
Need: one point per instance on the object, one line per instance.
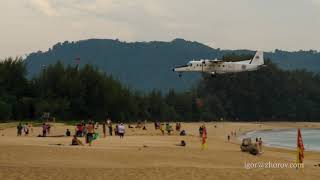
(147, 155)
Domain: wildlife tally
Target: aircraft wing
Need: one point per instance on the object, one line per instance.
(214, 62)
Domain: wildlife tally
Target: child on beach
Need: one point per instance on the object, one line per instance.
(68, 133)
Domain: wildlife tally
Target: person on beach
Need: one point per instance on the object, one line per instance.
(90, 129)
(228, 137)
(68, 133)
(75, 141)
(19, 129)
(26, 129)
(104, 130)
(155, 125)
(44, 130)
(30, 128)
(116, 130)
(109, 123)
(260, 145)
(200, 131)
(161, 128)
(121, 130)
(178, 126)
(257, 144)
(168, 128)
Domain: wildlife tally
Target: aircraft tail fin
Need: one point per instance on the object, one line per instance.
(258, 58)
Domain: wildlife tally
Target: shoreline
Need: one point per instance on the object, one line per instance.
(266, 144)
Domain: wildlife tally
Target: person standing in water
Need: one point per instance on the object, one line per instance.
(260, 145)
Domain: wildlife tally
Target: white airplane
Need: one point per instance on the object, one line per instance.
(214, 67)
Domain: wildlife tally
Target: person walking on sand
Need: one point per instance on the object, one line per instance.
(228, 137)
(44, 130)
(162, 128)
(26, 129)
(109, 123)
(19, 129)
(90, 129)
(200, 131)
(121, 130)
(104, 129)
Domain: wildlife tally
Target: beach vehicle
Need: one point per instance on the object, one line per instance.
(248, 146)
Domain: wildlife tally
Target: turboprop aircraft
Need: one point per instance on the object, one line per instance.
(216, 66)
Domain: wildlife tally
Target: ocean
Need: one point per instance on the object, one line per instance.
(287, 138)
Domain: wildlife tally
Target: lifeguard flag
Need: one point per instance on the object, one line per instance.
(300, 147)
(204, 138)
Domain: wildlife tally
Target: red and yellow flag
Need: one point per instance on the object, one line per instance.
(300, 147)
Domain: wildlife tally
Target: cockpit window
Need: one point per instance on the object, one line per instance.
(189, 64)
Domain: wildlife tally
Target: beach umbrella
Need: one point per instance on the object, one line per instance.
(300, 147)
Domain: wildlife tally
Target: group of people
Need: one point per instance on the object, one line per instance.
(26, 129)
(233, 133)
(89, 130)
(84, 130)
(167, 127)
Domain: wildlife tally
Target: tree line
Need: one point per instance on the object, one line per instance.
(71, 93)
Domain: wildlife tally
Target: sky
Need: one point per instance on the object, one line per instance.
(31, 25)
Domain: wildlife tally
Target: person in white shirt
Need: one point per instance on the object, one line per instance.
(121, 130)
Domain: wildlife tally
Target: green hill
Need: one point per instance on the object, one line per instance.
(148, 65)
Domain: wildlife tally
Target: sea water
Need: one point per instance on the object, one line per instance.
(287, 138)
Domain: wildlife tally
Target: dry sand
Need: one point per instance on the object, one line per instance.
(146, 155)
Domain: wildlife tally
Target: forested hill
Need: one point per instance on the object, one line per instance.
(148, 65)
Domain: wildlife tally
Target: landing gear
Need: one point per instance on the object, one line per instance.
(180, 75)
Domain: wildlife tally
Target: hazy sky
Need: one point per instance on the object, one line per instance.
(31, 25)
